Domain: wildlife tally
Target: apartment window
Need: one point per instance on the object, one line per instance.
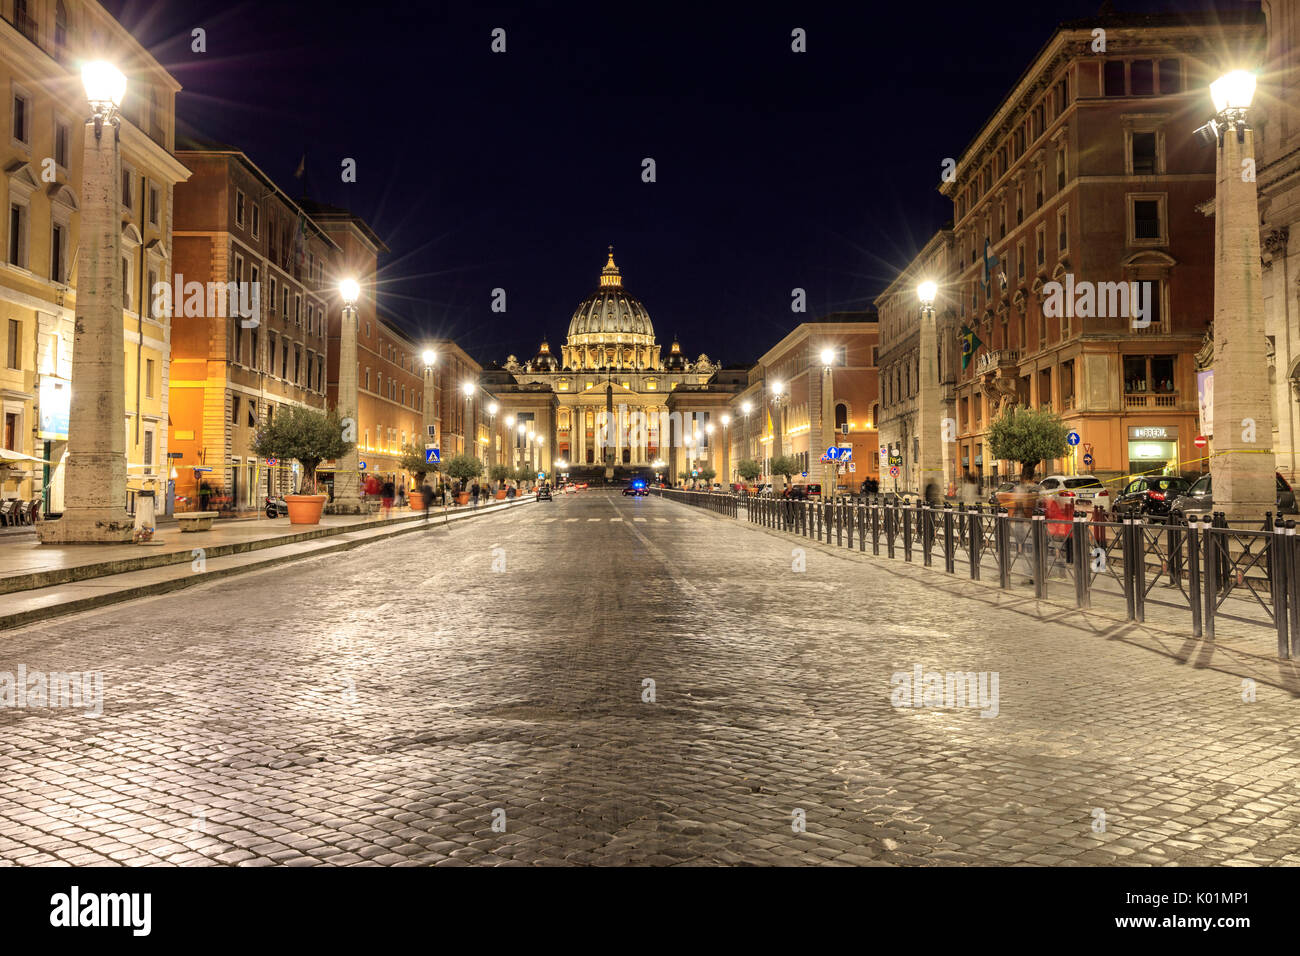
(1040, 240)
(58, 252)
(153, 205)
(60, 28)
(15, 342)
(1171, 76)
(62, 136)
(1141, 78)
(1146, 219)
(1062, 231)
(320, 373)
(239, 208)
(1062, 94)
(148, 449)
(18, 234)
(286, 303)
(1154, 373)
(297, 364)
(257, 354)
(367, 380)
(297, 310)
(272, 298)
(1143, 153)
(270, 351)
(126, 283)
(1038, 189)
(284, 361)
(148, 378)
(126, 189)
(257, 221)
(1020, 260)
(252, 413)
(147, 305)
(22, 121)
(1060, 166)
(234, 409)
(1113, 78)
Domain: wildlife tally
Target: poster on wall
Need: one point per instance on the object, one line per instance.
(1205, 397)
(56, 395)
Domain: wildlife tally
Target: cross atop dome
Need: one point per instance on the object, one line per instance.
(610, 276)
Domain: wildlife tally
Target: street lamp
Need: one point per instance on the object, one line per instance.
(830, 478)
(927, 397)
(430, 358)
(1242, 470)
(778, 391)
(95, 473)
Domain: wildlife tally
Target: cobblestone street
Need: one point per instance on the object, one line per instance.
(383, 705)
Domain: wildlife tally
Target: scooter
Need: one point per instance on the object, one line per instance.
(277, 508)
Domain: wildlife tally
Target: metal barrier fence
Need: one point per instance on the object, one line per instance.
(1203, 573)
(721, 503)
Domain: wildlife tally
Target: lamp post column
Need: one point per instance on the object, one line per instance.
(347, 481)
(1242, 461)
(829, 473)
(928, 428)
(95, 474)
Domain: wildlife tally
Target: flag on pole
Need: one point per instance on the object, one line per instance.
(302, 167)
(969, 343)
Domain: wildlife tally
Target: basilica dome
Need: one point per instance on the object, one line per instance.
(610, 328)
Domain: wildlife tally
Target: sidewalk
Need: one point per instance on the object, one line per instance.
(41, 581)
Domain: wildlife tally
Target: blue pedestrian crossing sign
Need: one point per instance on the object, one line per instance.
(432, 456)
(1073, 438)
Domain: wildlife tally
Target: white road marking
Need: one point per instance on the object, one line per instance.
(593, 519)
(664, 520)
(567, 520)
(638, 519)
(615, 519)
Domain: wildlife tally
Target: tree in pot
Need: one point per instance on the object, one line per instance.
(464, 468)
(412, 461)
(785, 466)
(524, 474)
(708, 474)
(309, 437)
(749, 470)
(1027, 436)
(499, 474)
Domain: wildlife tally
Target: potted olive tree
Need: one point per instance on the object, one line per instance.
(749, 470)
(499, 474)
(309, 437)
(786, 466)
(413, 463)
(464, 468)
(524, 474)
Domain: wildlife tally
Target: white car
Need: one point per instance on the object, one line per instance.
(1087, 491)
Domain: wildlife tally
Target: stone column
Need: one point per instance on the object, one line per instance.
(1242, 462)
(928, 428)
(94, 509)
(347, 481)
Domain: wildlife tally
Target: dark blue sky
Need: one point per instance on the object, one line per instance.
(515, 170)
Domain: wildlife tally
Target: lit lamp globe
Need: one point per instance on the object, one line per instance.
(468, 389)
(927, 291)
(105, 86)
(430, 357)
(492, 408)
(1233, 91)
(777, 388)
(708, 429)
(522, 428)
(726, 420)
(350, 291)
(828, 357)
(747, 407)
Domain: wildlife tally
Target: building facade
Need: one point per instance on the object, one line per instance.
(610, 385)
(918, 430)
(41, 49)
(1088, 176)
(790, 404)
(254, 346)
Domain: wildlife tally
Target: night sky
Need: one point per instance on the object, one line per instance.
(516, 170)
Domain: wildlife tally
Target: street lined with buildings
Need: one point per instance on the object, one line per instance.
(366, 710)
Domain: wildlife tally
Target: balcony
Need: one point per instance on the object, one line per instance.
(996, 359)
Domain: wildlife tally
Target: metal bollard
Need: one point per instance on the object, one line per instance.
(949, 554)
(891, 523)
(975, 528)
(1277, 579)
(1126, 546)
(1194, 597)
(839, 523)
(1002, 536)
(850, 513)
(1082, 558)
(875, 529)
(907, 534)
(1293, 587)
(1039, 531)
(1210, 587)
(926, 517)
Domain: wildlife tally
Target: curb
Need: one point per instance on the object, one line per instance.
(407, 525)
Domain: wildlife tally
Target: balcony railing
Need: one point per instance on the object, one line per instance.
(996, 359)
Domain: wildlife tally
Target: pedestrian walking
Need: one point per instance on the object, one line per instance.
(474, 493)
(427, 494)
(970, 490)
(386, 494)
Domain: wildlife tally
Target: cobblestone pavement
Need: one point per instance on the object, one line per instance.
(384, 706)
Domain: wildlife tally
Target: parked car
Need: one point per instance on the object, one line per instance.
(1149, 496)
(1199, 499)
(1086, 490)
(1005, 488)
(804, 492)
(544, 493)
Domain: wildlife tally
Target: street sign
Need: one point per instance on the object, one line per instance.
(895, 462)
(844, 428)
(803, 474)
(1201, 442)
(1087, 459)
(541, 475)
(853, 466)
(893, 471)
(361, 466)
(1073, 438)
(176, 454)
(431, 456)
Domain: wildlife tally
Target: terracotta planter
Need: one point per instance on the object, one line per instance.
(500, 495)
(416, 500)
(462, 498)
(305, 509)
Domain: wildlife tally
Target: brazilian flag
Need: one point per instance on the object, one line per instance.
(969, 343)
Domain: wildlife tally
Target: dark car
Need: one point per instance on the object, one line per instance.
(1149, 496)
(1199, 499)
(544, 493)
(635, 488)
